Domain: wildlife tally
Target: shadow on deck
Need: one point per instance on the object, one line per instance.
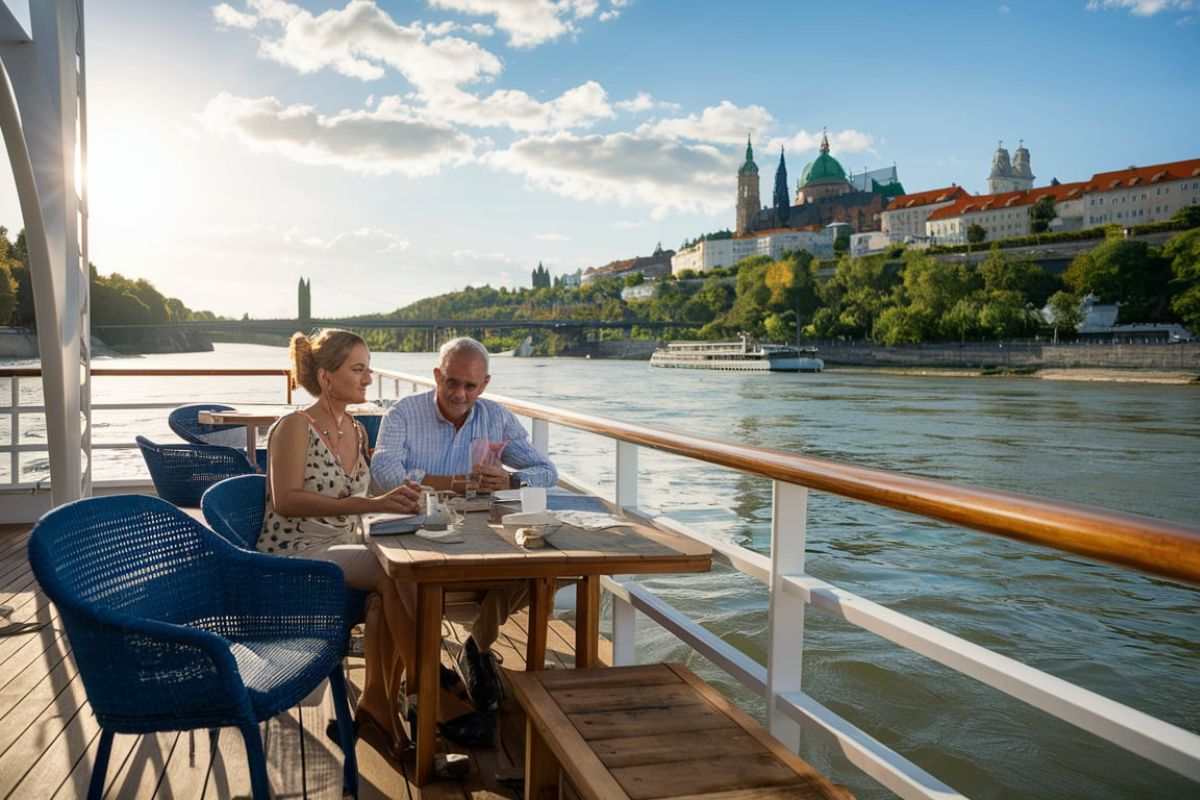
(48, 735)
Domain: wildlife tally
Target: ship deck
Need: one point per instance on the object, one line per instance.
(48, 736)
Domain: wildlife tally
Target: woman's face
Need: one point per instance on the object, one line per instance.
(348, 383)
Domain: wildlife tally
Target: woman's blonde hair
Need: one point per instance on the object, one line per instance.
(326, 349)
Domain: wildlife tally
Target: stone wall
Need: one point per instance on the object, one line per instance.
(1182, 357)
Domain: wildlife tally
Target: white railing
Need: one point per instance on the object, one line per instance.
(792, 591)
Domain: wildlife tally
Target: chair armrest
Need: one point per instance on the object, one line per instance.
(127, 661)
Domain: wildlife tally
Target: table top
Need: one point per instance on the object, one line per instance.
(488, 551)
(659, 731)
(250, 414)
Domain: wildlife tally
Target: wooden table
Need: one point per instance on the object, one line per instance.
(254, 415)
(489, 552)
(652, 731)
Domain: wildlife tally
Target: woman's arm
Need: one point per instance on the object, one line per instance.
(286, 455)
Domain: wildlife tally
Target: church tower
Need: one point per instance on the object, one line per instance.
(782, 201)
(747, 201)
(1006, 176)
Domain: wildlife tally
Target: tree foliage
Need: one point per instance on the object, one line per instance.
(1042, 214)
(1126, 271)
(976, 233)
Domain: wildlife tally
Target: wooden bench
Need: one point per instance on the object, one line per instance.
(652, 731)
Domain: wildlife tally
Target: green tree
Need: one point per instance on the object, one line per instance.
(1188, 217)
(1183, 253)
(635, 279)
(976, 233)
(1066, 312)
(899, 325)
(1004, 315)
(1041, 214)
(8, 293)
(1123, 271)
(1002, 273)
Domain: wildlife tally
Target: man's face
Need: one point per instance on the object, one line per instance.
(459, 383)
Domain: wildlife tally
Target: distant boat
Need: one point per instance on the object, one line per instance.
(523, 350)
(744, 355)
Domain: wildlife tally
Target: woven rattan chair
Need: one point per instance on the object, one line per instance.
(234, 508)
(185, 422)
(173, 628)
(181, 472)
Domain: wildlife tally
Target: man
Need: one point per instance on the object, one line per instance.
(431, 433)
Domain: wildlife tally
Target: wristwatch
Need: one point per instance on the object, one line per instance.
(514, 481)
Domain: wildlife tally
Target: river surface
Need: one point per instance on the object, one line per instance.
(1129, 637)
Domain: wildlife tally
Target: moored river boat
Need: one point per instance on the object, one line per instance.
(744, 355)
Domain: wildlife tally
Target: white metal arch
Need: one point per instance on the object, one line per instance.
(43, 118)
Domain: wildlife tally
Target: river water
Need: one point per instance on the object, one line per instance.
(1129, 637)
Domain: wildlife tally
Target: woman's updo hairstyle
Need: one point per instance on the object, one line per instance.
(326, 349)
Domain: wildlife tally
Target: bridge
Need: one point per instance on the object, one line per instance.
(288, 326)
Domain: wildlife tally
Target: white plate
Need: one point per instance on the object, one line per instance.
(526, 518)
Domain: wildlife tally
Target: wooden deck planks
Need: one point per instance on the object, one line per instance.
(48, 736)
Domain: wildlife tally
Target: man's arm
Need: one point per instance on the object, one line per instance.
(532, 468)
(389, 463)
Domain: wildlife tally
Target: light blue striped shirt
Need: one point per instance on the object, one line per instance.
(415, 435)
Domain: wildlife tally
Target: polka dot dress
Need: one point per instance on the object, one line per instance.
(323, 475)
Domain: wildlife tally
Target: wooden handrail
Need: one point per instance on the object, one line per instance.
(1156, 546)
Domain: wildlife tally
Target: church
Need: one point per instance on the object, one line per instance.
(824, 195)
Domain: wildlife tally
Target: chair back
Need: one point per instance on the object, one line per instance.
(113, 565)
(181, 472)
(185, 422)
(370, 423)
(234, 508)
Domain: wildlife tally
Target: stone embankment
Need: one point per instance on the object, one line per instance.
(1182, 357)
(22, 343)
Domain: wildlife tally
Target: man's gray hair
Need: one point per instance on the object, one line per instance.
(461, 346)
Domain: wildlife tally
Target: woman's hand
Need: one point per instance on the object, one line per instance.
(404, 499)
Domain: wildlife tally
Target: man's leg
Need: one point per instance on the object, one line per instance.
(477, 662)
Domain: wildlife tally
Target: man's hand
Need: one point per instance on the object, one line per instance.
(491, 479)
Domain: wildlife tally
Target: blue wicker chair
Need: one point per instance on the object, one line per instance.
(185, 422)
(181, 472)
(234, 508)
(175, 629)
(370, 423)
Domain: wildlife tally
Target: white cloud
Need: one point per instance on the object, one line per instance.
(847, 141)
(1004, 9)
(575, 108)
(644, 102)
(528, 23)
(623, 168)
(361, 40)
(467, 254)
(373, 142)
(361, 241)
(1143, 8)
(722, 124)
(627, 224)
(230, 17)
(552, 237)
(614, 11)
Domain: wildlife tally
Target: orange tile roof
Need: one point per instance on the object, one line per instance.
(990, 202)
(926, 198)
(1136, 176)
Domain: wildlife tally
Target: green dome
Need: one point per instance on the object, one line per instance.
(825, 169)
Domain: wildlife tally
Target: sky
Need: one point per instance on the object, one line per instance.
(389, 151)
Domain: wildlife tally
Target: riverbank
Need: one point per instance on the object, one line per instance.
(1168, 377)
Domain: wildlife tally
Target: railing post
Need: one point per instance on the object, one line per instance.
(14, 426)
(624, 632)
(541, 435)
(626, 475)
(785, 618)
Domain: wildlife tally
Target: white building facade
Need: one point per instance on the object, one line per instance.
(905, 216)
(708, 255)
(1141, 195)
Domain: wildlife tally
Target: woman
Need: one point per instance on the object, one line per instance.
(317, 479)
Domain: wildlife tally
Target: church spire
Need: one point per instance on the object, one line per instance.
(781, 201)
(824, 140)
